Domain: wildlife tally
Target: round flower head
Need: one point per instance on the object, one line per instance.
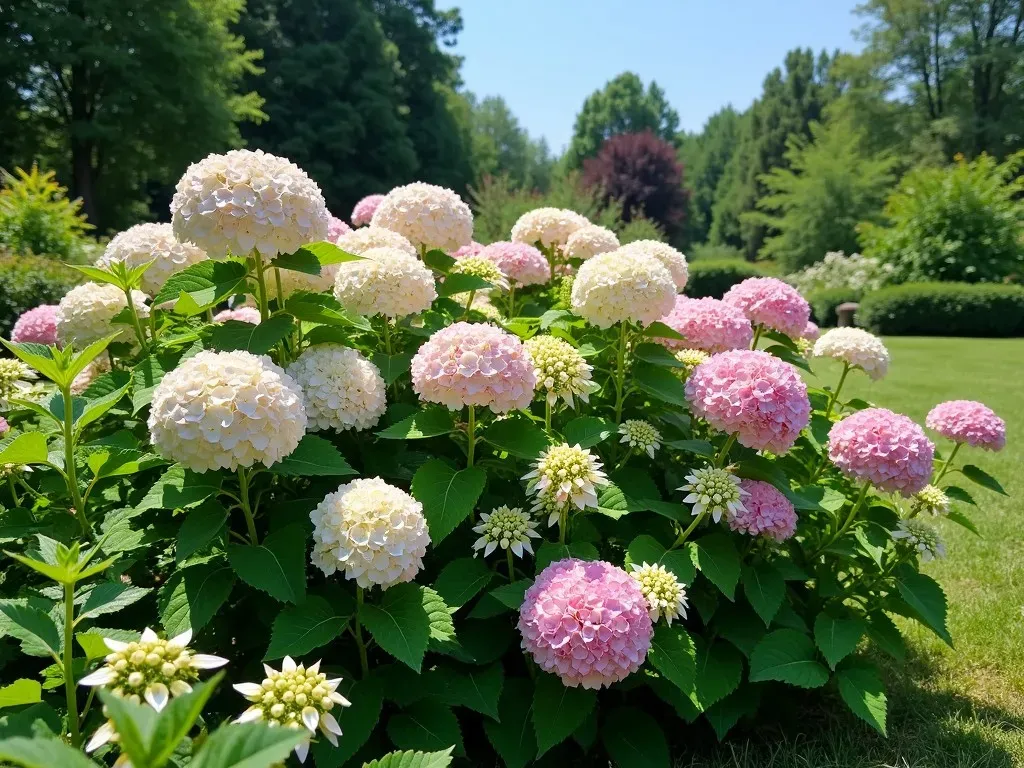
(567, 473)
(622, 286)
(341, 389)
(293, 281)
(38, 325)
(771, 303)
(246, 199)
(561, 370)
(361, 240)
(473, 249)
(766, 512)
(968, 421)
(364, 210)
(586, 622)
(16, 380)
(506, 528)
(482, 268)
(474, 364)
(373, 532)
(336, 228)
(883, 448)
(714, 491)
(241, 314)
(4, 426)
(811, 331)
(920, 537)
(386, 281)
(665, 595)
(427, 216)
(522, 264)
(548, 227)
(151, 242)
(708, 324)
(590, 240)
(295, 697)
(640, 435)
(89, 374)
(84, 314)
(856, 348)
(931, 500)
(689, 359)
(224, 410)
(674, 261)
(752, 394)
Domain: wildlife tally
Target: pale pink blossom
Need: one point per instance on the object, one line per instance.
(708, 324)
(473, 249)
(771, 303)
(883, 448)
(241, 314)
(336, 228)
(766, 512)
(522, 264)
(38, 325)
(968, 421)
(364, 210)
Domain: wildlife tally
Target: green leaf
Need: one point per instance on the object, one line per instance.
(20, 692)
(788, 656)
(518, 436)
(863, 692)
(462, 579)
(258, 339)
(511, 595)
(411, 759)
(357, 722)
(322, 308)
(926, 599)
(276, 566)
(180, 488)
(26, 448)
(392, 367)
(717, 558)
(95, 409)
(647, 549)
(247, 745)
(549, 552)
(100, 275)
(656, 354)
(696, 447)
(588, 431)
(147, 375)
(982, 478)
(299, 629)
(202, 286)
(659, 383)
(193, 595)
(634, 739)
(40, 358)
(959, 494)
(726, 713)
(110, 597)
(963, 520)
(201, 526)
(513, 736)
(326, 254)
(558, 710)
(661, 331)
(765, 589)
(30, 625)
(886, 635)
(134, 723)
(836, 637)
(177, 719)
(438, 260)
(719, 672)
(448, 496)
(673, 654)
(303, 260)
(475, 688)
(457, 283)
(42, 753)
(400, 624)
(314, 456)
(425, 725)
(432, 421)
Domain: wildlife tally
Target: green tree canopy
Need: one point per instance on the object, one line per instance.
(704, 156)
(501, 147)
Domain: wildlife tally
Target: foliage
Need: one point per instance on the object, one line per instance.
(640, 172)
(855, 273)
(704, 156)
(30, 281)
(707, 251)
(640, 228)
(825, 303)
(713, 276)
(944, 309)
(501, 147)
(963, 223)
(36, 216)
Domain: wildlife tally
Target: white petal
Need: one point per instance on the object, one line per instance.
(149, 635)
(491, 546)
(301, 750)
(310, 718)
(288, 665)
(248, 689)
(183, 639)
(114, 645)
(101, 676)
(314, 668)
(157, 695)
(517, 549)
(103, 734)
(269, 670)
(333, 682)
(206, 661)
(180, 688)
(337, 698)
(329, 724)
(250, 715)
(333, 739)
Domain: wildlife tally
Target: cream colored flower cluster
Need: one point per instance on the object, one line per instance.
(226, 410)
(567, 473)
(664, 593)
(547, 226)
(856, 348)
(587, 242)
(561, 370)
(359, 241)
(674, 261)
(85, 312)
(341, 388)
(427, 216)
(151, 242)
(482, 268)
(622, 286)
(386, 281)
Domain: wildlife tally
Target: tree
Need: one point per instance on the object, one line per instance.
(501, 147)
(705, 156)
(642, 174)
(126, 94)
(622, 106)
(815, 204)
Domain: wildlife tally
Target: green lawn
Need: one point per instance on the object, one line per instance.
(948, 708)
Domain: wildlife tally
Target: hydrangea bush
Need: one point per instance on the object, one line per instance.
(545, 506)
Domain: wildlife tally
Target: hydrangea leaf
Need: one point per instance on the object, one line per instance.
(837, 637)
(110, 597)
(588, 431)
(432, 421)
(299, 629)
(886, 635)
(673, 654)
(726, 713)
(277, 565)
(634, 738)
(478, 689)
(926, 599)
(357, 722)
(20, 692)
(258, 339)
(647, 549)
(462, 579)
(716, 557)
(863, 692)
(764, 588)
(246, 745)
(448, 496)
(413, 759)
(513, 737)
(201, 526)
(518, 436)
(314, 456)
(719, 672)
(425, 725)
(404, 621)
(392, 367)
(659, 383)
(193, 595)
(42, 753)
(788, 656)
(558, 710)
(982, 478)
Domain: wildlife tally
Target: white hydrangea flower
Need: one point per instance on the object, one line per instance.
(716, 491)
(224, 410)
(551, 508)
(641, 435)
(922, 538)
(386, 281)
(341, 389)
(16, 380)
(246, 199)
(506, 528)
(151, 242)
(482, 268)
(363, 239)
(374, 532)
(561, 370)
(931, 500)
(690, 359)
(427, 216)
(855, 347)
(293, 281)
(587, 242)
(665, 595)
(295, 697)
(621, 286)
(567, 473)
(85, 312)
(673, 260)
(547, 226)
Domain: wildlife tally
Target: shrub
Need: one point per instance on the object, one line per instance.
(707, 251)
(713, 277)
(944, 309)
(826, 301)
(37, 217)
(640, 228)
(29, 281)
(962, 222)
(837, 270)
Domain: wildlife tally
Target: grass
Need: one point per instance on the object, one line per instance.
(948, 708)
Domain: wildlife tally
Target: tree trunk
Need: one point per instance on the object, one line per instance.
(82, 176)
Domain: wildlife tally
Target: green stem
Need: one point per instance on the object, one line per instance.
(387, 335)
(250, 521)
(69, 461)
(620, 372)
(550, 253)
(261, 285)
(68, 671)
(280, 289)
(469, 303)
(724, 453)
(140, 332)
(563, 523)
(757, 337)
(846, 523)
(547, 414)
(14, 491)
(686, 534)
(471, 436)
(364, 664)
(835, 392)
(511, 299)
(511, 565)
(946, 463)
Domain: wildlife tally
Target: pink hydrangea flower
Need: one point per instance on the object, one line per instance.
(38, 325)
(473, 249)
(766, 511)
(241, 314)
(474, 364)
(364, 210)
(708, 324)
(771, 303)
(883, 448)
(522, 264)
(968, 421)
(754, 395)
(811, 331)
(336, 228)
(4, 426)
(586, 622)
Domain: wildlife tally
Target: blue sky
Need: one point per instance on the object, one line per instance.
(546, 56)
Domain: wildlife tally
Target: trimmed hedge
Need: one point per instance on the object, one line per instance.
(713, 277)
(825, 302)
(29, 281)
(944, 309)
